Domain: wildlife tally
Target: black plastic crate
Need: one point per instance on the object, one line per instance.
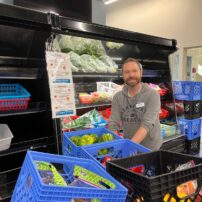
(192, 109)
(153, 189)
(176, 145)
(193, 146)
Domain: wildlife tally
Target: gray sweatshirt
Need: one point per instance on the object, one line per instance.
(134, 112)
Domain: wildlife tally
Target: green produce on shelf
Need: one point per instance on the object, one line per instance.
(81, 45)
(80, 123)
(106, 137)
(111, 65)
(66, 44)
(114, 45)
(87, 120)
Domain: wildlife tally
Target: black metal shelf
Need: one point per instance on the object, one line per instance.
(20, 73)
(33, 107)
(172, 137)
(6, 187)
(146, 74)
(84, 106)
(27, 145)
(95, 75)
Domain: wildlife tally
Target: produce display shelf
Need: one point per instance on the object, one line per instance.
(27, 145)
(34, 107)
(84, 106)
(6, 188)
(95, 75)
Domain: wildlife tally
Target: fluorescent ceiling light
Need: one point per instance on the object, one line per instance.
(109, 1)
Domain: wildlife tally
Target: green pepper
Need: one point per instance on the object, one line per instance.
(87, 140)
(103, 151)
(76, 140)
(106, 137)
(95, 136)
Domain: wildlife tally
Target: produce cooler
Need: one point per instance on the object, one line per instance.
(23, 35)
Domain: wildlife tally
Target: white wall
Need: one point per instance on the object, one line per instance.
(7, 2)
(98, 12)
(174, 19)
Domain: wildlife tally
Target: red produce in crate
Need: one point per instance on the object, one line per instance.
(105, 159)
(163, 114)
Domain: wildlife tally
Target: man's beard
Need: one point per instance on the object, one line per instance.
(132, 85)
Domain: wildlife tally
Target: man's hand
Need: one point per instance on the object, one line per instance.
(139, 135)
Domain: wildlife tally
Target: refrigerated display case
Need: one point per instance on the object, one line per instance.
(22, 62)
(23, 35)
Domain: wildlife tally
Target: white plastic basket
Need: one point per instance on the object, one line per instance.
(5, 137)
(108, 87)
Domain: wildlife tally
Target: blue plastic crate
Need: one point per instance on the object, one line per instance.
(30, 187)
(190, 128)
(119, 149)
(201, 90)
(187, 90)
(70, 149)
(13, 91)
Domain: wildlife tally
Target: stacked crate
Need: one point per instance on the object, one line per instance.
(191, 94)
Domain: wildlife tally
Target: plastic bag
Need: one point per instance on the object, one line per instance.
(111, 65)
(66, 44)
(90, 119)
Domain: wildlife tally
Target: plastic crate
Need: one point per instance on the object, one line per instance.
(167, 131)
(119, 149)
(70, 149)
(153, 189)
(5, 137)
(190, 128)
(193, 146)
(192, 109)
(177, 144)
(108, 87)
(13, 97)
(201, 107)
(187, 90)
(30, 187)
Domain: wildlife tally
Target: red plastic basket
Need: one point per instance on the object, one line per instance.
(13, 97)
(14, 104)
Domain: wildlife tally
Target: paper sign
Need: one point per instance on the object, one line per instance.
(61, 84)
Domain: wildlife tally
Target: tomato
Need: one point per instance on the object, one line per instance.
(105, 159)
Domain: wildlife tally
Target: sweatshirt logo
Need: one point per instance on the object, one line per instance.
(132, 114)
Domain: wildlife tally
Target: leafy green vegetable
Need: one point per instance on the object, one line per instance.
(111, 65)
(66, 44)
(114, 45)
